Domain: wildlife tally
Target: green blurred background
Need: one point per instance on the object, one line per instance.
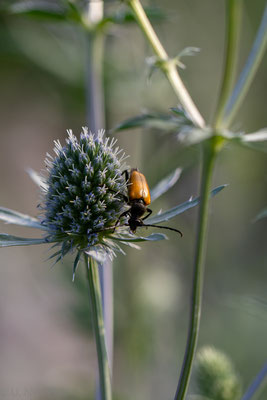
(46, 342)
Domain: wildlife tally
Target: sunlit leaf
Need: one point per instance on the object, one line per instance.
(38, 179)
(255, 141)
(165, 216)
(14, 217)
(259, 136)
(99, 255)
(191, 136)
(75, 265)
(165, 184)
(9, 240)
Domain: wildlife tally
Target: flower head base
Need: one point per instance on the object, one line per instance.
(82, 198)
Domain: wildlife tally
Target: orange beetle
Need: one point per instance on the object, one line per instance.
(138, 188)
(138, 199)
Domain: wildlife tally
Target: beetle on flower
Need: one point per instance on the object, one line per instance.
(82, 201)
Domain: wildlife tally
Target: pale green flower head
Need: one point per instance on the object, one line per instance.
(215, 376)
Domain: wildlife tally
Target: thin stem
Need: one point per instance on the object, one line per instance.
(257, 385)
(197, 287)
(95, 113)
(167, 65)
(94, 42)
(234, 11)
(248, 72)
(99, 328)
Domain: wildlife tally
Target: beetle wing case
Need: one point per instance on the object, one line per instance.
(138, 187)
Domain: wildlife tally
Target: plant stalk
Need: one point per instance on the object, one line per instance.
(233, 18)
(209, 154)
(167, 65)
(247, 75)
(99, 328)
(95, 113)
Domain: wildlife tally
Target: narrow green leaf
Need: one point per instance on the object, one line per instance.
(38, 9)
(9, 240)
(165, 216)
(150, 120)
(154, 237)
(165, 184)
(14, 217)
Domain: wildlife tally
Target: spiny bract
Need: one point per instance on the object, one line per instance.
(83, 192)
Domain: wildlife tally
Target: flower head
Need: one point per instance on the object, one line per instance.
(215, 376)
(83, 201)
(83, 191)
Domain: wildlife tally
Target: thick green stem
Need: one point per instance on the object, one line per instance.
(99, 328)
(197, 288)
(248, 72)
(167, 65)
(233, 22)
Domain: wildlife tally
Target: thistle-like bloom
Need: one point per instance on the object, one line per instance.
(83, 198)
(83, 193)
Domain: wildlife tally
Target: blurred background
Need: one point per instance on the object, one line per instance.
(46, 342)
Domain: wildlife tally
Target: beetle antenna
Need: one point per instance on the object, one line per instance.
(164, 227)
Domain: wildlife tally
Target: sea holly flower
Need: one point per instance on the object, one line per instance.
(83, 197)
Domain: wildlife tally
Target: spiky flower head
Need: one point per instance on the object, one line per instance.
(83, 194)
(215, 376)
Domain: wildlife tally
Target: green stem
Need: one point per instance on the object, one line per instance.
(197, 288)
(167, 65)
(234, 11)
(99, 329)
(95, 112)
(248, 72)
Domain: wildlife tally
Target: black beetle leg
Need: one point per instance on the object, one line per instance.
(149, 212)
(126, 173)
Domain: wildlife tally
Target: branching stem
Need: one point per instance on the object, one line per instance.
(167, 65)
(209, 154)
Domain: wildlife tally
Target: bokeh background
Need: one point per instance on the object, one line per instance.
(46, 342)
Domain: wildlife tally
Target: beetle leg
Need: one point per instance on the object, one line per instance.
(149, 212)
(124, 214)
(126, 173)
